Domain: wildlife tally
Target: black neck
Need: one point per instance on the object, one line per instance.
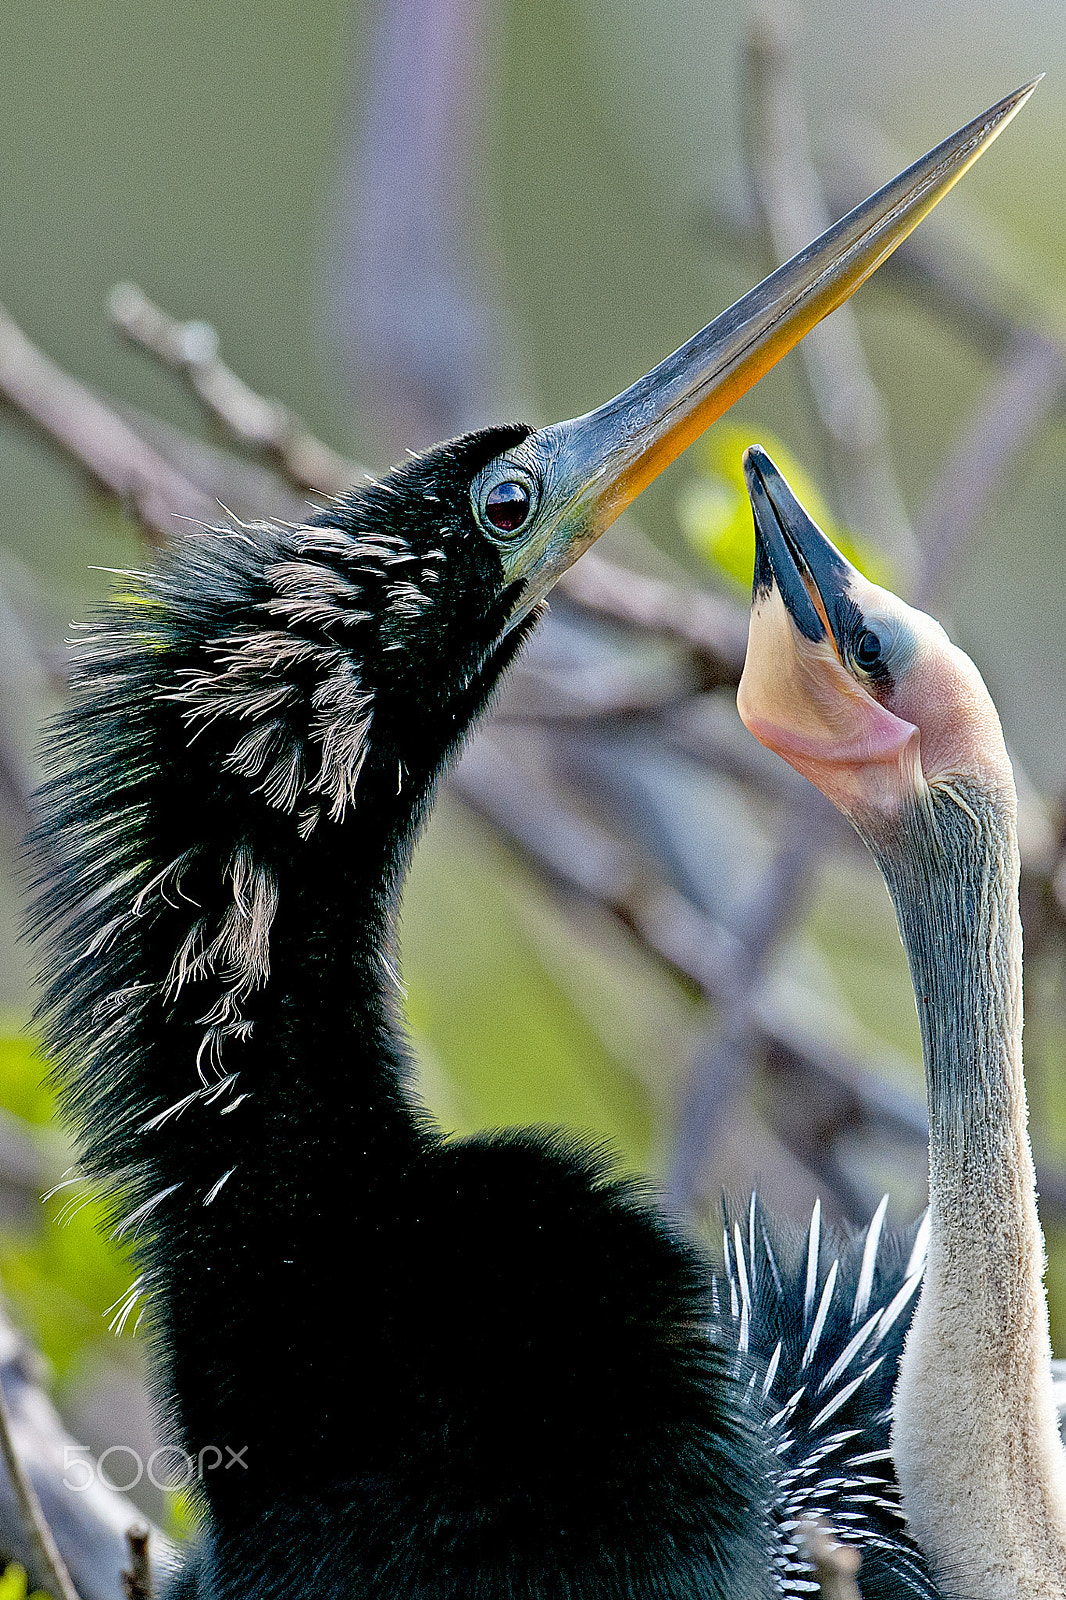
(224, 1009)
(485, 1354)
(288, 1165)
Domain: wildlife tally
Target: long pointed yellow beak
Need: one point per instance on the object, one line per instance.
(590, 468)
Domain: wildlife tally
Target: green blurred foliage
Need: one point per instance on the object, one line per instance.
(14, 1585)
(63, 1282)
(715, 514)
(183, 1518)
(535, 1015)
(23, 1074)
(61, 1274)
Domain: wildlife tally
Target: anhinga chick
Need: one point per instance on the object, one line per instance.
(871, 701)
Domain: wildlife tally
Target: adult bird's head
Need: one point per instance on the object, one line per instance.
(551, 493)
(411, 594)
(316, 665)
(861, 693)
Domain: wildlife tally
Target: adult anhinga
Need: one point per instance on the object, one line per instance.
(412, 1367)
(870, 700)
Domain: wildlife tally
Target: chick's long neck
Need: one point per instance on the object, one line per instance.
(975, 1435)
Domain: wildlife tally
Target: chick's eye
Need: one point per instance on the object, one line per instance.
(868, 649)
(507, 506)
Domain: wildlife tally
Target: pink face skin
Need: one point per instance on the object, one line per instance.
(869, 744)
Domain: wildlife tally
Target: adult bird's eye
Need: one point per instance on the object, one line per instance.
(868, 650)
(507, 505)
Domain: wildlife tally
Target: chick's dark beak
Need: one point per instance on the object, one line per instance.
(791, 551)
(797, 695)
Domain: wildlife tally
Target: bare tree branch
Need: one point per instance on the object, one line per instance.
(137, 1577)
(89, 1519)
(247, 488)
(176, 477)
(115, 458)
(255, 423)
(847, 403)
(969, 269)
(836, 1566)
(414, 323)
(794, 210)
(50, 1562)
(1023, 392)
(582, 859)
(714, 630)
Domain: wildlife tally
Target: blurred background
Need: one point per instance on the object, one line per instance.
(405, 218)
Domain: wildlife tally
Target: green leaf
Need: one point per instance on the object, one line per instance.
(22, 1074)
(715, 513)
(63, 1278)
(13, 1584)
(62, 1273)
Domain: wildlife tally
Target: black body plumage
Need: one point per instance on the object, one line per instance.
(822, 1318)
(486, 1368)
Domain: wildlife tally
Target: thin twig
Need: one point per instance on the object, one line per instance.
(587, 860)
(253, 421)
(794, 210)
(1023, 392)
(711, 629)
(252, 490)
(137, 1577)
(714, 630)
(849, 408)
(836, 1566)
(95, 436)
(179, 478)
(582, 859)
(968, 268)
(53, 1569)
(963, 269)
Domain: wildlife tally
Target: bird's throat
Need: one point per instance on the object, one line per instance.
(950, 860)
(975, 1435)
